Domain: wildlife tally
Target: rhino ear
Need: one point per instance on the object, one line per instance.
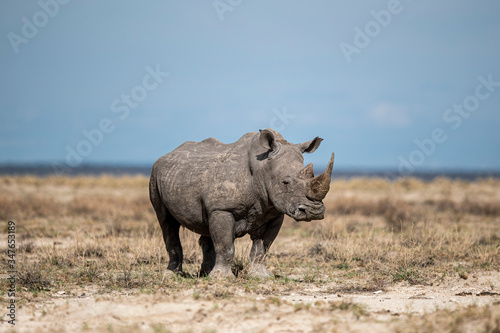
(310, 146)
(268, 141)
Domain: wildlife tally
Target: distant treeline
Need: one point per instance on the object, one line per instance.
(120, 170)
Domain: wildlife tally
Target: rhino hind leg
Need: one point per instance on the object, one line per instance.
(170, 229)
(207, 246)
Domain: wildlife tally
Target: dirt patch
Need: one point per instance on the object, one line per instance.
(303, 310)
(419, 299)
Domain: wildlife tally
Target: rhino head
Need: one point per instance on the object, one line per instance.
(291, 187)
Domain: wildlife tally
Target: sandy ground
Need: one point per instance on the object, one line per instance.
(303, 310)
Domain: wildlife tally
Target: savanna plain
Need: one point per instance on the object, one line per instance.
(401, 255)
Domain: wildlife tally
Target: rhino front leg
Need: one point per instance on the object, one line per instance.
(262, 240)
(221, 227)
(207, 246)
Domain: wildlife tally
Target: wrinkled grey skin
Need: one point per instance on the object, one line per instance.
(223, 191)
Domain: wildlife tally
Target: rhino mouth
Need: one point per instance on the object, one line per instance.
(308, 212)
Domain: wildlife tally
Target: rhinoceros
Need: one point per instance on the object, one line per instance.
(224, 191)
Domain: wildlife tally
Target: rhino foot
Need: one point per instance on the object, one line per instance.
(170, 273)
(221, 272)
(260, 271)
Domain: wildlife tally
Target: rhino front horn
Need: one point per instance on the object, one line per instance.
(318, 186)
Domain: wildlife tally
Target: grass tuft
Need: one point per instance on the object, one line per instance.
(33, 277)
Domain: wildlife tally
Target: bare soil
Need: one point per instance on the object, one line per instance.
(306, 309)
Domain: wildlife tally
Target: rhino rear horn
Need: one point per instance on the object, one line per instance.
(308, 171)
(319, 186)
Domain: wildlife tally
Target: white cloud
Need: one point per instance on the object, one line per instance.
(390, 115)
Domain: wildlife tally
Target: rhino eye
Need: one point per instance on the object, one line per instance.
(286, 181)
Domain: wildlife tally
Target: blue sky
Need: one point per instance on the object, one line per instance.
(377, 80)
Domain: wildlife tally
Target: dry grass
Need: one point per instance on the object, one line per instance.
(101, 232)
(32, 277)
